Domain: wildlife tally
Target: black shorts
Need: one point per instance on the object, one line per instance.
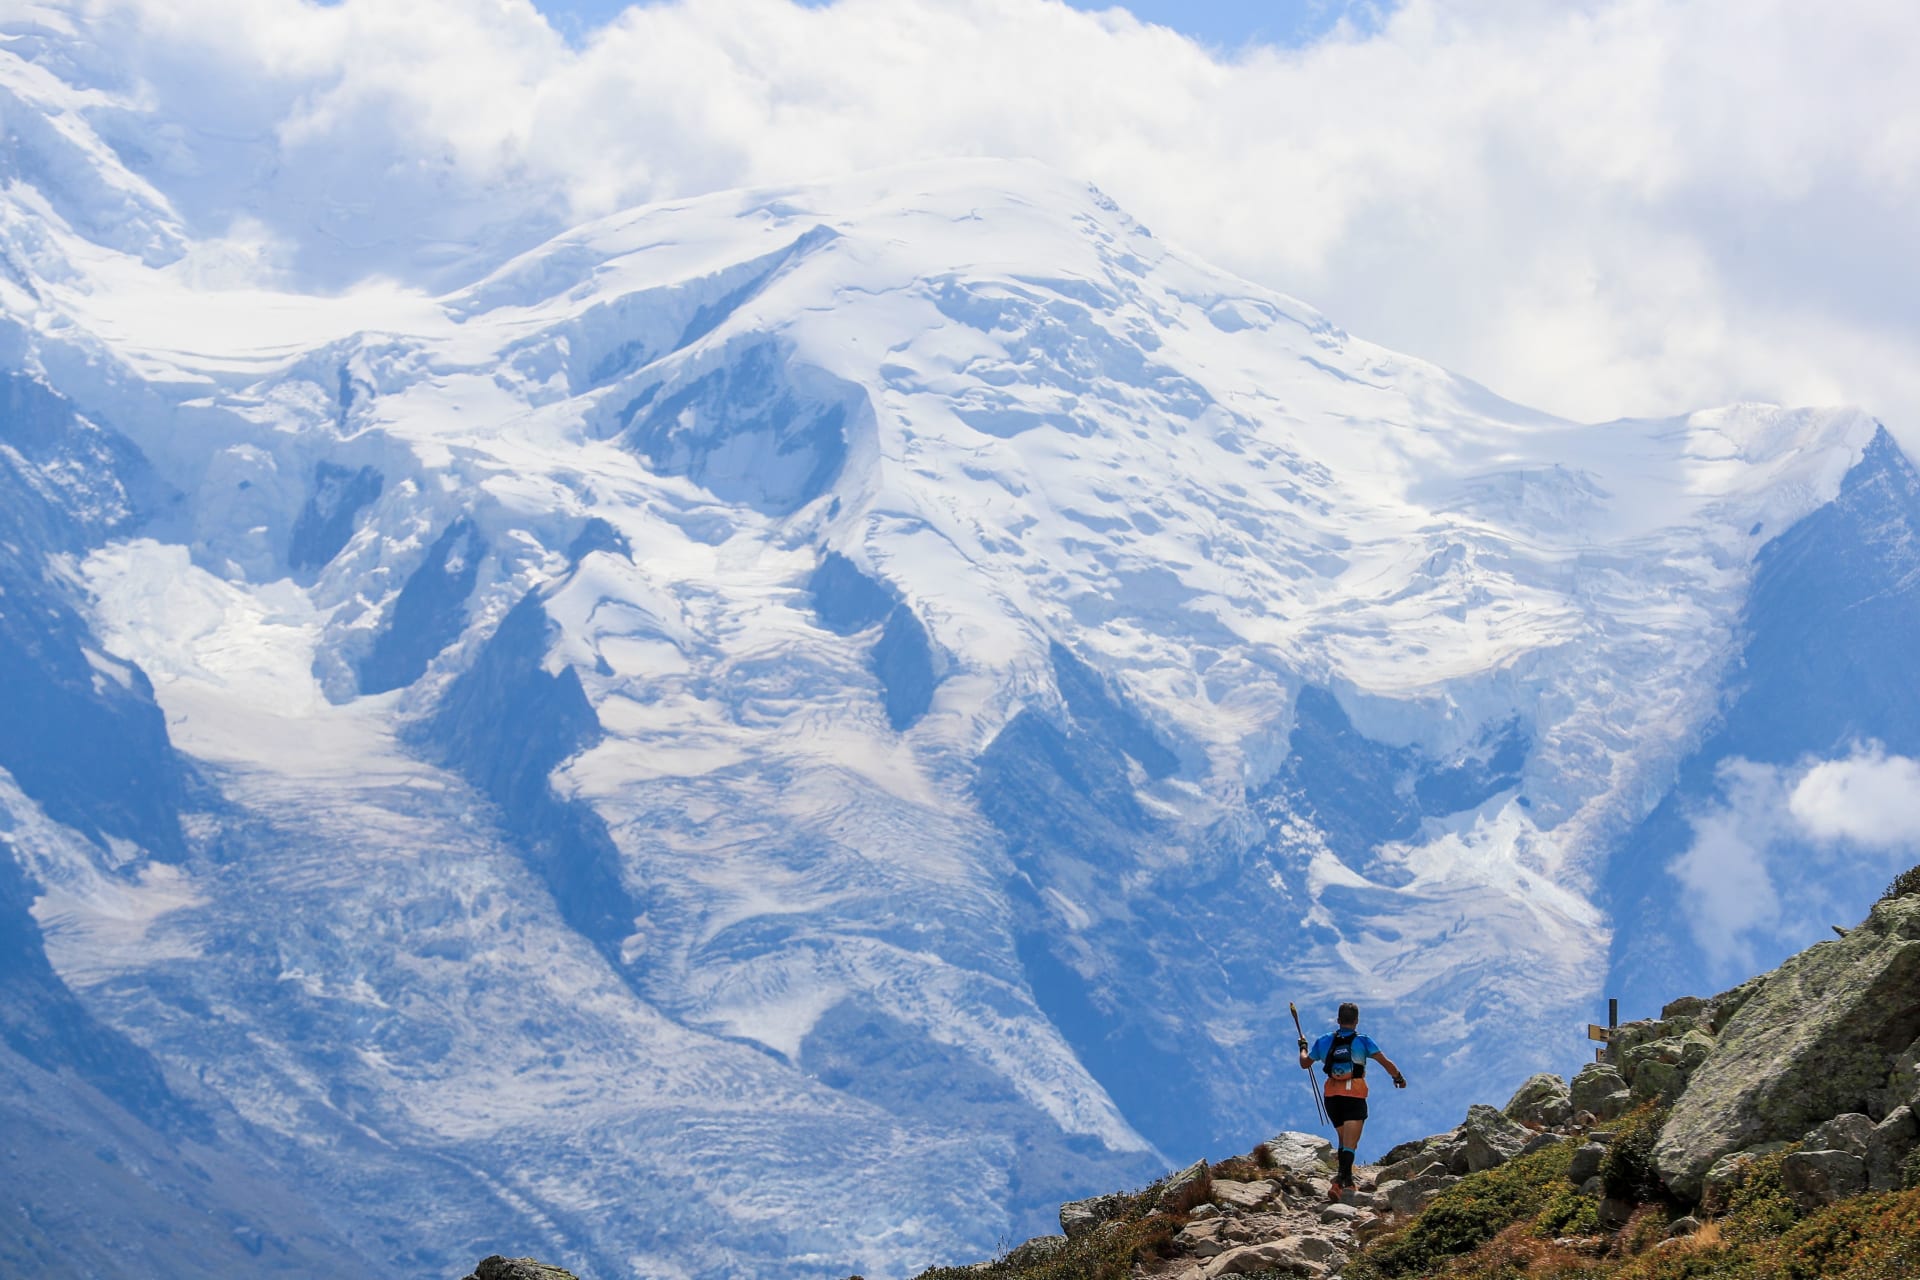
(1342, 1108)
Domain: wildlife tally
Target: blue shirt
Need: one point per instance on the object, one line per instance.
(1363, 1048)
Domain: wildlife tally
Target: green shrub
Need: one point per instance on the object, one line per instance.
(1469, 1214)
(1906, 884)
(1861, 1238)
(1568, 1213)
(1628, 1171)
(1109, 1252)
(1760, 1208)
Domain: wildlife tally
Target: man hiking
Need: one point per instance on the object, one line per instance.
(1345, 1053)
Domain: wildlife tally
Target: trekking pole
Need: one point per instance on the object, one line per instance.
(1319, 1107)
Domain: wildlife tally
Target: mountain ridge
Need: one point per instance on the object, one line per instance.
(778, 654)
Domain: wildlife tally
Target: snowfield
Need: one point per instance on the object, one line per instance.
(789, 732)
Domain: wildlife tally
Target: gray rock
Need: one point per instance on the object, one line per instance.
(499, 1268)
(1683, 1227)
(1242, 1195)
(1586, 1162)
(1593, 1188)
(1593, 1086)
(1191, 1186)
(1816, 1178)
(1684, 1007)
(1082, 1216)
(1411, 1197)
(1257, 1259)
(1201, 1212)
(1847, 1133)
(1491, 1138)
(1408, 1150)
(1036, 1250)
(1339, 1213)
(1541, 1141)
(1543, 1100)
(1888, 1146)
(1658, 1081)
(1775, 1073)
(1304, 1155)
(1316, 1249)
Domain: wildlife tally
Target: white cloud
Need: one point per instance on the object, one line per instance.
(1608, 207)
(1746, 875)
(1729, 890)
(1871, 799)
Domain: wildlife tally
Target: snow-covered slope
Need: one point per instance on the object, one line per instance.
(765, 723)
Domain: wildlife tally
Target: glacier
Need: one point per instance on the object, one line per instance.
(787, 732)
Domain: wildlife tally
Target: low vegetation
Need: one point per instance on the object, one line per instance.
(1515, 1223)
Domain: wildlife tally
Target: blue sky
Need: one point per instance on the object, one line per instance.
(1225, 24)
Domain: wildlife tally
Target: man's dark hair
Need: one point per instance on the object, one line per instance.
(1349, 1014)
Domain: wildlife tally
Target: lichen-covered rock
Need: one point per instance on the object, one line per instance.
(1848, 1133)
(1815, 1039)
(499, 1268)
(1036, 1250)
(1304, 1155)
(1411, 1197)
(1419, 1146)
(1817, 1178)
(1191, 1186)
(1888, 1147)
(1242, 1195)
(1658, 1080)
(1586, 1162)
(1081, 1216)
(1601, 1090)
(1491, 1138)
(1543, 1100)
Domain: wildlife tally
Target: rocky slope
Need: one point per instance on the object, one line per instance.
(1783, 1110)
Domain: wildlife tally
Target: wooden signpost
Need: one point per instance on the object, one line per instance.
(1604, 1034)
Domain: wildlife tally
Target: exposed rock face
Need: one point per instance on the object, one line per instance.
(1081, 1216)
(499, 1268)
(1601, 1091)
(1818, 1037)
(1543, 1100)
(1816, 1178)
(1888, 1147)
(1491, 1138)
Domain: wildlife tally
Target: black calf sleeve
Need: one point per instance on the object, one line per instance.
(1346, 1165)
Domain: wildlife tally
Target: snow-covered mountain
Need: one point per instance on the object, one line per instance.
(765, 733)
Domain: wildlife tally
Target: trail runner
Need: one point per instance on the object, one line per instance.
(1345, 1054)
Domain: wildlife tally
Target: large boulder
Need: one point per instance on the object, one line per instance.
(1888, 1147)
(1304, 1155)
(1543, 1100)
(1078, 1217)
(1600, 1090)
(1491, 1138)
(1273, 1257)
(1816, 1178)
(1818, 1037)
(1847, 1133)
(499, 1268)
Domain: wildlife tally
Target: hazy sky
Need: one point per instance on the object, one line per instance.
(1599, 207)
(1220, 24)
